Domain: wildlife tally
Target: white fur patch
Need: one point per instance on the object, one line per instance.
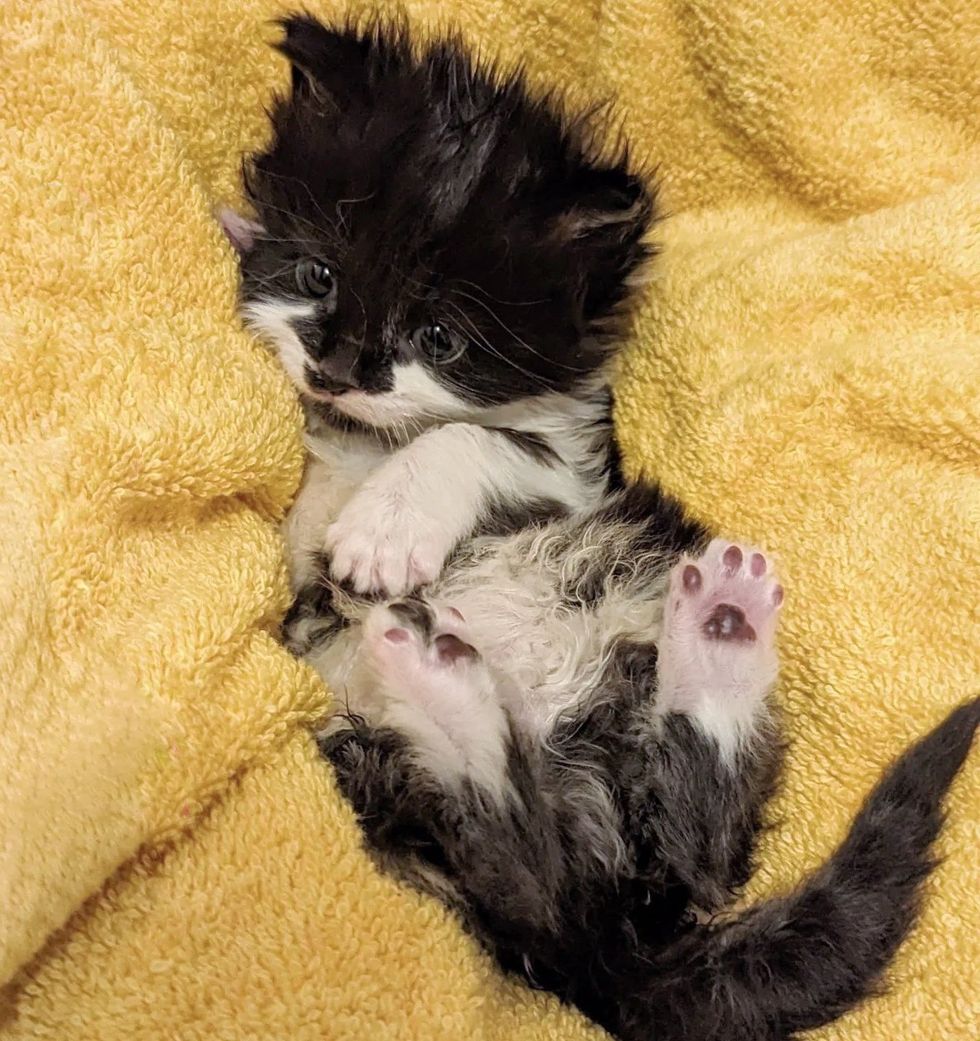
(416, 401)
(555, 657)
(273, 319)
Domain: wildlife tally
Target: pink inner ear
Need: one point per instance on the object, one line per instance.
(241, 231)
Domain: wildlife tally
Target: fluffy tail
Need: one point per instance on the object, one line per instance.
(794, 963)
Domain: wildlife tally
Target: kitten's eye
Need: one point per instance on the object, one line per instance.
(313, 278)
(438, 343)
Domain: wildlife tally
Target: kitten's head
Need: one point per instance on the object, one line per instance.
(430, 241)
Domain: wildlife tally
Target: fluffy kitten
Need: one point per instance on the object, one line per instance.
(442, 262)
(566, 736)
(567, 739)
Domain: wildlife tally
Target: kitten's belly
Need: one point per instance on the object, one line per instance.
(547, 655)
(337, 464)
(552, 656)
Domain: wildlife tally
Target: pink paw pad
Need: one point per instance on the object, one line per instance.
(450, 649)
(730, 591)
(728, 622)
(402, 637)
(717, 648)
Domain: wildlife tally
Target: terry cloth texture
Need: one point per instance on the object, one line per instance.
(804, 373)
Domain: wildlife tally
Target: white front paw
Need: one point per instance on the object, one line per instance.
(379, 549)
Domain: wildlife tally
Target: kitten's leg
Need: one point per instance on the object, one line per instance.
(453, 801)
(716, 654)
(397, 530)
(435, 690)
(317, 503)
(337, 464)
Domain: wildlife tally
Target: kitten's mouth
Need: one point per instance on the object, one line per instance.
(353, 404)
(376, 410)
(371, 410)
(329, 397)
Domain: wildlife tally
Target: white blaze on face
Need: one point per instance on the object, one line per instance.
(272, 319)
(416, 397)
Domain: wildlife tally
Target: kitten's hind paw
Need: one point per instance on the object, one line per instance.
(717, 649)
(418, 646)
(440, 697)
(730, 593)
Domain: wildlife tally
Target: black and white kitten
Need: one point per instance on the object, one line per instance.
(567, 738)
(566, 734)
(442, 262)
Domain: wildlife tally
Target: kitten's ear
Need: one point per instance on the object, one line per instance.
(609, 212)
(240, 231)
(337, 66)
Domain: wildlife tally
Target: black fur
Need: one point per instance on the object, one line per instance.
(438, 191)
(795, 963)
(605, 873)
(625, 945)
(311, 619)
(536, 445)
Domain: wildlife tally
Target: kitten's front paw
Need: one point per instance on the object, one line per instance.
(377, 549)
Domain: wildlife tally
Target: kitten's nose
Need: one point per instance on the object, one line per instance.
(327, 384)
(336, 369)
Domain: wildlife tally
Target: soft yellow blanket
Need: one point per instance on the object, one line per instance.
(174, 862)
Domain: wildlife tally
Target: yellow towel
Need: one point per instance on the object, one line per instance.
(805, 373)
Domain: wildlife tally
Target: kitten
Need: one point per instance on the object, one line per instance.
(567, 739)
(566, 735)
(443, 264)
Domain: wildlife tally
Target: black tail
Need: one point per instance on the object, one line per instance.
(794, 963)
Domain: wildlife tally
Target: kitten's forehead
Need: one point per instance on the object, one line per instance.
(424, 174)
